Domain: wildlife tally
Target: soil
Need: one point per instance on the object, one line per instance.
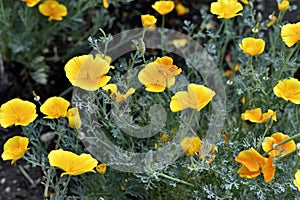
(13, 184)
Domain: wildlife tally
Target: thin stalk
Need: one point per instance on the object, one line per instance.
(27, 176)
(174, 179)
(262, 138)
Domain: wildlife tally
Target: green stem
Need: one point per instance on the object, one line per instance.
(175, 179)
(287, 60)
(287, 140)
(26, 175)
(262, 138)
(295, 168)
(66, 186)
(32, 162)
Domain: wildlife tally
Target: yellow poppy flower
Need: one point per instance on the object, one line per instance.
(290, 34)
(105, 3)
(101, 168)
(55, 107)
(148, 20)
(15, 148)
(297, 180)
(181, 9)
(253, 164)
(17, 112)
(115, 94)
(191, 145)
(252, 46)
(285, 4)
(74, 118)
(257, 116)
(288, 89)
(163, 7)
(158, 75)
(270, 142)
(88, 71)
(197, 97)
(72, 163)
(31, 3)
(226, 8)
(53, 10)
(179, 43)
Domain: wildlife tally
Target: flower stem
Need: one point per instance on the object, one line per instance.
(26, 175)
(262, 138)
(175, 179)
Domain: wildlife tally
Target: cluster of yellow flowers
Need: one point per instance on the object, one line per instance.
(20, 112)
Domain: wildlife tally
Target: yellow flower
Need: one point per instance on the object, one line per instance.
(158, 75)
(288, 89)
(72, 163)
(181, 9)
(115, 94)
(17, 112)
(297, 179)
(101, 168)
(191, 145)
(257, 116)
(272, 21)
(252, 46)
(55, 107)
(148, 20)
(53, 10)
(285, 4)
(245, 1)
(163, 7)
(253, 164)
(88, 71)
(31, 3)
(164, 138)
(290, 34)
(74, 118)
(197, 97)
(226, 8)
(15, 148)
(270, 142)
(105, 3)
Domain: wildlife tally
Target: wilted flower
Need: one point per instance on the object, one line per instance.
(74, 118)
(53, 10)
(101, 168)
(252, 46)
(88, 71)
(290, 34)
(226, 8)
(191, 145)
(253, 164)
(72, 163)
(55, 107)
(257, 116)
(273, 19)
(163, 7)
(283, 5)
(270, 142)
(158, 75)
(15, 148)
(148, 20)
(17, 112)
(115, 94)
(164, 138)
(31, 3)
(288, 89)
(197, 97)
(297, 180)
(181, 9)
